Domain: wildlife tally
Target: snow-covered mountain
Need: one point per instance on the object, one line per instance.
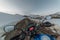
(8, 18)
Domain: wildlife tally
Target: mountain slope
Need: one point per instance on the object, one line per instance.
(8, 18)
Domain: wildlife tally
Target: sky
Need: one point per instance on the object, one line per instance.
(36, 7)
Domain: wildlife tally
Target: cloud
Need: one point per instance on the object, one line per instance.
(29, 6)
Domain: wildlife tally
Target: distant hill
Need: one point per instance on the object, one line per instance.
(56, 15)
(8, 18)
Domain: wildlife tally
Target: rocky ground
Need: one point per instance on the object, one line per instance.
(1, 33)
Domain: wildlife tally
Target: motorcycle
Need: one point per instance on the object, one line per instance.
(29, 29)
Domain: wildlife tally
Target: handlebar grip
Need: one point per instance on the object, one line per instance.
(19, 37)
